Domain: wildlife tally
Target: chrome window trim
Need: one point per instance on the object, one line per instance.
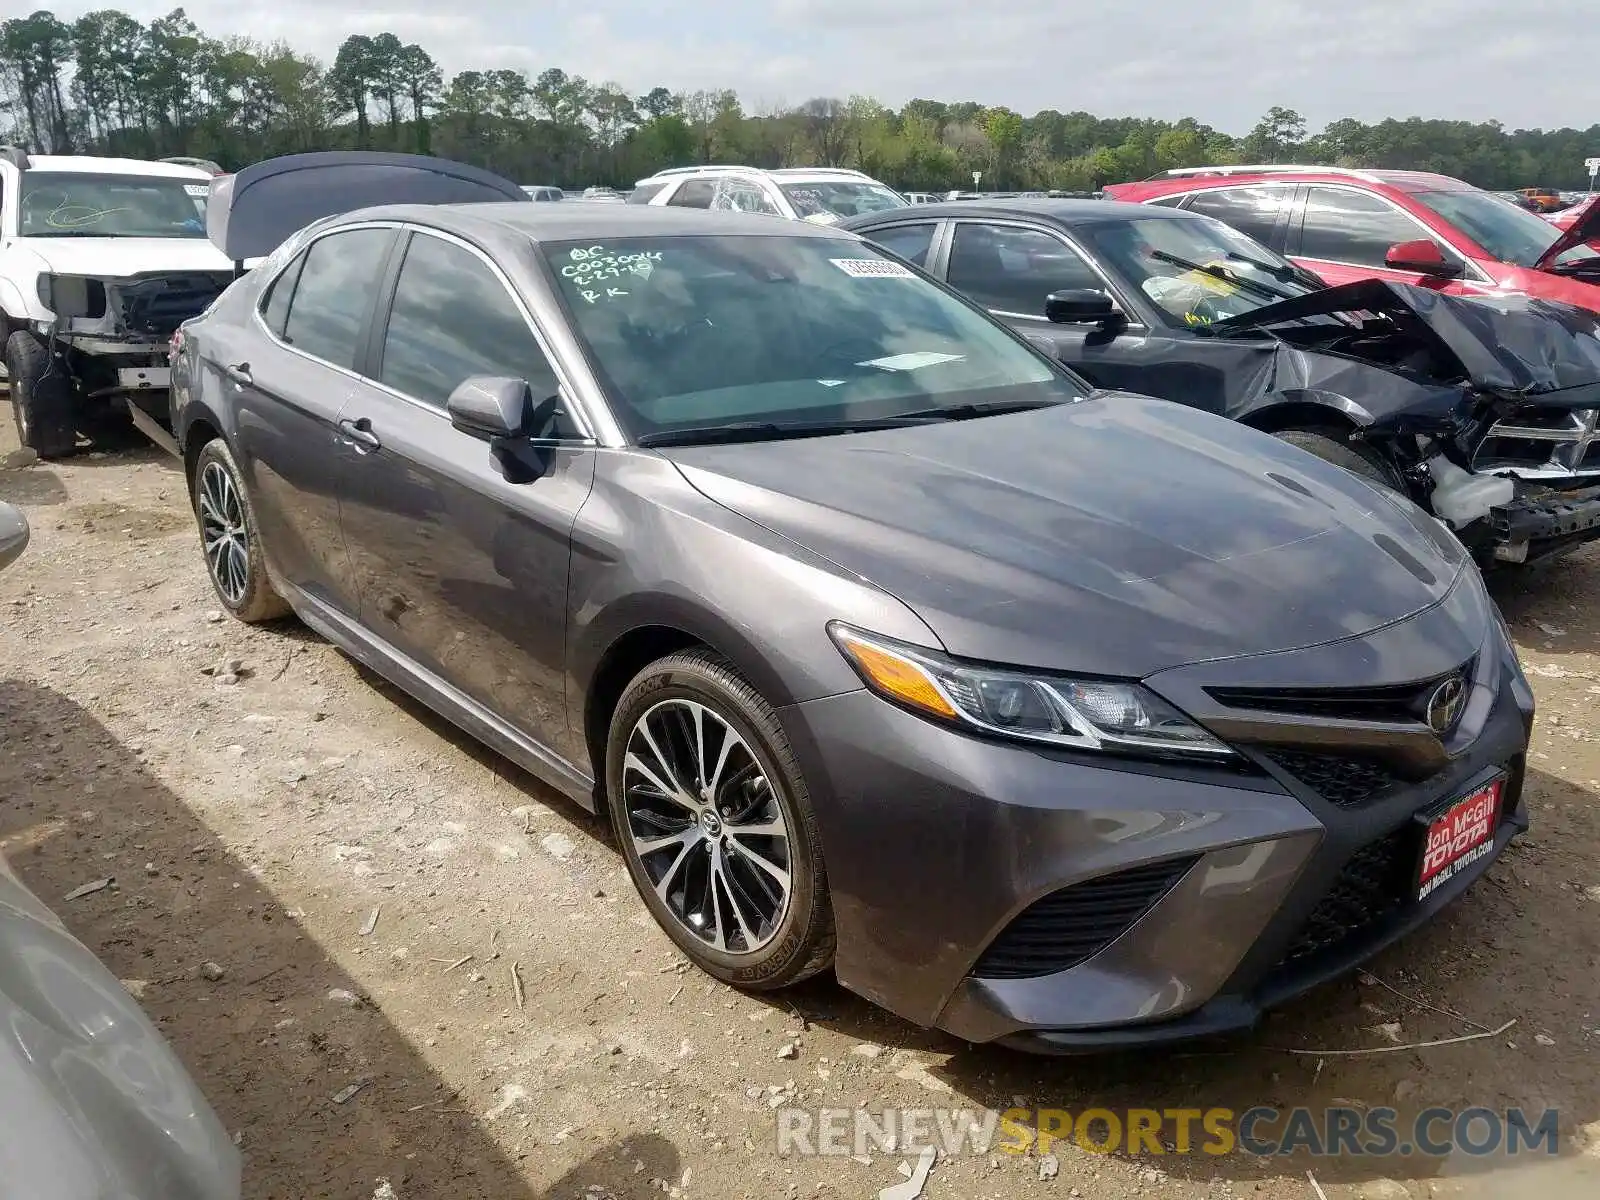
(289, 260)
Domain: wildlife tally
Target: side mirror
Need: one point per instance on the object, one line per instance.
(1422, 256)
(491, 406)
(1079, 306)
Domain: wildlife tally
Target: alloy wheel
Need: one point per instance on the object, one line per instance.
(223, 533)
(707, 827)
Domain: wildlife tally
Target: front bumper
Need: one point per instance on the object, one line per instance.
(937, 844)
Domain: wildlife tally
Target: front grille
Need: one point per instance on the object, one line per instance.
(1373, 885)
(1402, 703)
(1340, 780)
(1543, 443)
(157, 305)
(1072, 925)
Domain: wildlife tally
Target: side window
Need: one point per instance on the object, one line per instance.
(1352, 227)
(338, 278)
(1253, 211)
(275, 304)
(1012, 270)
(645, 193)
(452, 318)
(738, 195)
(910, 242)
(1170, 202)
(694, 193)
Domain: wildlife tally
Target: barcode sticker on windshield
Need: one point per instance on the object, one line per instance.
(872, 268)
(197, 189)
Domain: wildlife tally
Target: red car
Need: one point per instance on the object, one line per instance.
(1345, 224)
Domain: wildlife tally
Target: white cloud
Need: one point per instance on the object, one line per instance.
(1527, 64)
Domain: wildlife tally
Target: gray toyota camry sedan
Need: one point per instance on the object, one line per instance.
(1062, 718)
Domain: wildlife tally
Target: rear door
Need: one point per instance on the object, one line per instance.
(289, 380)
(461, 550)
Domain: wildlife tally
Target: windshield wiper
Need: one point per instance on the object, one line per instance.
(771, 431)
(1252, 285)
(965, 412)
(55, 233)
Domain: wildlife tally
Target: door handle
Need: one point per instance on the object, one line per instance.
(239, 373)
(360, 433)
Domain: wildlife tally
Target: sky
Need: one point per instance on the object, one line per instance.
(1526, 63)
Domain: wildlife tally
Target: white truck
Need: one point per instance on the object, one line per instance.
(101, 259)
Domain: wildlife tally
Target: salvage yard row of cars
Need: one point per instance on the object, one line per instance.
(847, 564)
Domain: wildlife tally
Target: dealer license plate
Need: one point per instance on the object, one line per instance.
(1459, 837)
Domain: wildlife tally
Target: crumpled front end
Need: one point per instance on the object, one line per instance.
(1486, 407)
(129, 314)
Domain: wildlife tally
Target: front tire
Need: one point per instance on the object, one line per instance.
(230, 539)
(44, 400)
(1331, 446)
(715, 823)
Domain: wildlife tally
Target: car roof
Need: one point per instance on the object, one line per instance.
(561, 223)
(87, 165)
(1064, 212)
(1204, 178)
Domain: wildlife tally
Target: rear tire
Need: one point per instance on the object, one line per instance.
(44, 401)
(714, 821)
(229, 537)
(1331, 446)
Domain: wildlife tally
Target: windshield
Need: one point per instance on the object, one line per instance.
(1196, 270)
(685, 332)
(1509, 234)
(841, 199)
(62, 205)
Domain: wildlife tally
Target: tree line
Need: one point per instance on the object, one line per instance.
(109, 84)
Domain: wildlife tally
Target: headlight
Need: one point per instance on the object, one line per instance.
(1078, 714)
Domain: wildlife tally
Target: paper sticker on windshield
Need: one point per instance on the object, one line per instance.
(872, 268)
(910, 362)
(197, 189)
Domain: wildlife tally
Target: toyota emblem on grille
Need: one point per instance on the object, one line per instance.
(1445, 704)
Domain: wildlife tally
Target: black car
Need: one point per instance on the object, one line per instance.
(1063, 719)
(1459, 403)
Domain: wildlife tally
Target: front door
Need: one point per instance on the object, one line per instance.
(462, 563)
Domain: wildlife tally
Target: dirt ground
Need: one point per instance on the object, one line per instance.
(339, 853)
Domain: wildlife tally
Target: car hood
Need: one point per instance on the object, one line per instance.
(1584, 227)
(93, 1103)
(1117, 536)
(121, 257)
(1518, 347)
